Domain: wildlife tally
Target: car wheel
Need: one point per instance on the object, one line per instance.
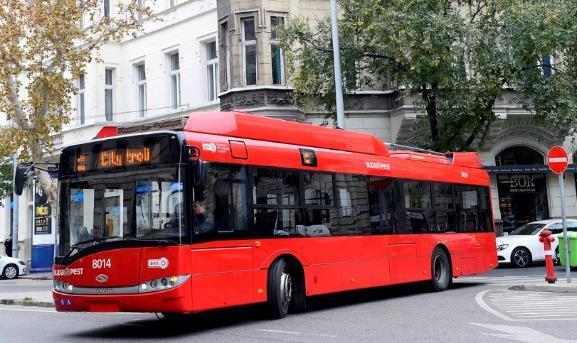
(280, 289)
(440, 270)
(521, 257)
(10, 272)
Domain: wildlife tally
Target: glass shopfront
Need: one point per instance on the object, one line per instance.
(522, 185)
(522, 199)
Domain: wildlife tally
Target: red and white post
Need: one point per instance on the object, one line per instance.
(546, 238)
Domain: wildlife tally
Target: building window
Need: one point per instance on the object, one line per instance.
(224, 51)
(171, 3)
(141, 85)
(80, 100)
(249, 50)
(174, 80)
(211, 71)
(109, 93)
(107, 8)
(277, 60)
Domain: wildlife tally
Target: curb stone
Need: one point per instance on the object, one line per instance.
(544, 288)
(26, 302)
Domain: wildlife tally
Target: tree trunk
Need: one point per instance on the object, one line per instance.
(430, 98)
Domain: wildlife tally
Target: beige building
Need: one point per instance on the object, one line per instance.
(253, 79)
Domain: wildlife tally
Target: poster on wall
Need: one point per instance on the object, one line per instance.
(42, 211)
(44, 236)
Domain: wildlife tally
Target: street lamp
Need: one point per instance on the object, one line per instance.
(337, 65)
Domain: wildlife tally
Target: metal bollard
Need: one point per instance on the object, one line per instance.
(546, 238)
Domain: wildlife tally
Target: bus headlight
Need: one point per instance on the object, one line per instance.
(63, 287)
(502, 247)
(162, 284)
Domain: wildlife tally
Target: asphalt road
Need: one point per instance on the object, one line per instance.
(476, 309)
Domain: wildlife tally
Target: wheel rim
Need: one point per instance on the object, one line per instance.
(440, 269)
(521, 258)
(285, 289)
(10, 272)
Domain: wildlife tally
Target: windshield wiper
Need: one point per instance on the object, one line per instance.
(93, 240)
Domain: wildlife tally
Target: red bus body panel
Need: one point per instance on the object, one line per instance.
(234, 272)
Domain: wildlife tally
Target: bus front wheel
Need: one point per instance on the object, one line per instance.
(440, 270)
(280, 289)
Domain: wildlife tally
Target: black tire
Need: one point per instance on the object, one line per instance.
(521, 257)
(10, 272)
(279, 289)
(441, 275)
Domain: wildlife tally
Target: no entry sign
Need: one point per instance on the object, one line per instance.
(557, 159)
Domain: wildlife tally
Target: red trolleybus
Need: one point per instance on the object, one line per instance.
(237, 209)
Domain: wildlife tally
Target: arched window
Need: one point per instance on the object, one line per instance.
(519, 155)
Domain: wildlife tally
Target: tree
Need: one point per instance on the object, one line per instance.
(456, 58)
(44, 47)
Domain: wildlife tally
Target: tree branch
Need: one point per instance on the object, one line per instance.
(19, 115)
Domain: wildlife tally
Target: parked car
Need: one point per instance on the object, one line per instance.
(12, 267)
(521, 246)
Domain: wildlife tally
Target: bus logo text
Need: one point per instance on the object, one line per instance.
(161, 263)
(378, 165)
(68, 272)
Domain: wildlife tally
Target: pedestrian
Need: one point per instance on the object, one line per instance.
(8, 246)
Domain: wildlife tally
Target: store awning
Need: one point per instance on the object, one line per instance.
(528, 169)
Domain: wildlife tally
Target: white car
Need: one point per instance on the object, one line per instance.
(521, 246)
(12, 267)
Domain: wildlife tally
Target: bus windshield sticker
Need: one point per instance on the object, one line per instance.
(161, 263)
(209, 146)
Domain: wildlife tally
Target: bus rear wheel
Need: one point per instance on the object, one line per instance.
(280, 289)
(440, 270)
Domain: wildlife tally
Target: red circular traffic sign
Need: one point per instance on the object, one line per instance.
(557, 159)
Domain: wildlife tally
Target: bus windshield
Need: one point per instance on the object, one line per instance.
(131, 205)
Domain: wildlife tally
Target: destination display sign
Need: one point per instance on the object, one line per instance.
(121, 153)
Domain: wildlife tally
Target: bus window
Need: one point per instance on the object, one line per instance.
(444, 205)
(418, 212)
(351, 215)
(318, 189)
(381, 205)
(467, 207)
(225, 200)
(276, 203)
(485, 211)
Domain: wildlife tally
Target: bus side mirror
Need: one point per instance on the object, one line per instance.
(21, 175)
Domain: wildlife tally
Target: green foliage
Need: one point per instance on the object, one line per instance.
(6, 176)
(455, 58)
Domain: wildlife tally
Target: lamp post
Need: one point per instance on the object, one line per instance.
(337, 66)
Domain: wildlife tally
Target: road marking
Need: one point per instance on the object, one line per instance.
(484, 306)
(297, 333)
(501, 280)
(523, 334)
(515, 306)
(26, 310)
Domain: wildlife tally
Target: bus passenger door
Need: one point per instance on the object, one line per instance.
(221, 275)
(222, 254)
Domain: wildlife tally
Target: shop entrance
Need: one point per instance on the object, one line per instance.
(522, 192)
(522, 199)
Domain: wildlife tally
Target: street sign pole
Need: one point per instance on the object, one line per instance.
(558, 160)
(567, 266)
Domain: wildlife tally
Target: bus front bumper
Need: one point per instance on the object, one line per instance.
(177, 299)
